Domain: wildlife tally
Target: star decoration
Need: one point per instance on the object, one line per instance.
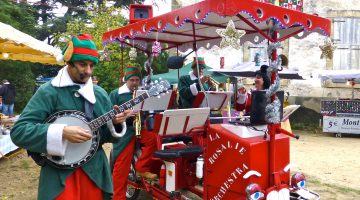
(230, 36)
(327, 50)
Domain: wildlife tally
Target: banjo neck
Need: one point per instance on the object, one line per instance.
(103, 119)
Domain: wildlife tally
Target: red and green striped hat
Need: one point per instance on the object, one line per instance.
(81, 47)
(201, 62)
(132, 71)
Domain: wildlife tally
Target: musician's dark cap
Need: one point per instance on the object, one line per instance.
(263, 73)
(132, 71)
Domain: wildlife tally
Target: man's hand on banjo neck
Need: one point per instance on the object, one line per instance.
(76, 134)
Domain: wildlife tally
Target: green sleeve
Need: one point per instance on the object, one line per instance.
(30, 131)
(112, 97)
(184, 88)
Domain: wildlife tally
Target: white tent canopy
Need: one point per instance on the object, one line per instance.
(16, 45)
(248, 69)
(339, 74)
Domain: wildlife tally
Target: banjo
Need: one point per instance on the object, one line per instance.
(77, 154)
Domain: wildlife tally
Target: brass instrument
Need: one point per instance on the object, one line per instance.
(215, 83)
(229, 104)
(137, 120)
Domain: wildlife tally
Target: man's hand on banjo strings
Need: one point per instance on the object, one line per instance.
(76, 134)
(120, 118)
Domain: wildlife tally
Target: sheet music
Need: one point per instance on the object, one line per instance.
(182, 120)
(217, 100)
(153, 103)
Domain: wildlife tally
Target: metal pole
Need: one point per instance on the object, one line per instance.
(197, 65)
(178, 70)
(272, 128)
(122, 63)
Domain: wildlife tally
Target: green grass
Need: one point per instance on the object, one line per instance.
(311, 128)
(333, 188)
(25, 164)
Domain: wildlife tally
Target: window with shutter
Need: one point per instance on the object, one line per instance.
(347, 39)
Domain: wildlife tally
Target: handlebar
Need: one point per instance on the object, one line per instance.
(283, 131)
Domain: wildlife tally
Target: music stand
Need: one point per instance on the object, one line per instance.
(181, 121)
(288, 110)
(217, 101)
(154, 103)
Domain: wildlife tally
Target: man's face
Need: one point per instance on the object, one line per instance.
(201, 70)
(259, 82)
(80, 71)
(133, 82)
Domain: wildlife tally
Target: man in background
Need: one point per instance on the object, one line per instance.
(7, 91)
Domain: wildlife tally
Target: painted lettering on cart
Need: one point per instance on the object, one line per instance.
(214, 157)
(230, 180)
(214, 137)
(351, 122)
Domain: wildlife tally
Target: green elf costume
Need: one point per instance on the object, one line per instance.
(123, 150)
(32, 133)
(189, 85)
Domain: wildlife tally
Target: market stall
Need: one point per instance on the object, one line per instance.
(341, 115)
(6, 145)
(16, 45)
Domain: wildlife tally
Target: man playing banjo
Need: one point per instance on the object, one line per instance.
(71, 89)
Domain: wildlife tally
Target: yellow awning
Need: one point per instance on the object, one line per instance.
(16, 45)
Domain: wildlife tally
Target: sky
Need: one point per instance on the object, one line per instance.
(164, 6)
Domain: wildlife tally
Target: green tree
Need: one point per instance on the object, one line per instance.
(110, 68)
(100, 20)
(19, 74)
(21, 17)
(52, 22)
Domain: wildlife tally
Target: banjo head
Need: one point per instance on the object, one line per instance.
(76, 154)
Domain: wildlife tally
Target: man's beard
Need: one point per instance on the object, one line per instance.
(82, 78)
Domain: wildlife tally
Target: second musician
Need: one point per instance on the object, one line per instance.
(189, 85)
(124, 149)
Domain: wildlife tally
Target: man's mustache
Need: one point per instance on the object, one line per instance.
(83, 76)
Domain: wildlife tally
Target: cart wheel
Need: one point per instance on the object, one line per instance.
(338, 135)
(131, 192)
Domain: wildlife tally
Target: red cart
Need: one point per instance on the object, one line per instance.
(239, 162)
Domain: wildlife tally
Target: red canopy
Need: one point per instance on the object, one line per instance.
(179, 27)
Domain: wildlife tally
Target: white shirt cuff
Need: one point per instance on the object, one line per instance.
(193, 89)
(113, 132)
(241, 98)
(55, 144)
